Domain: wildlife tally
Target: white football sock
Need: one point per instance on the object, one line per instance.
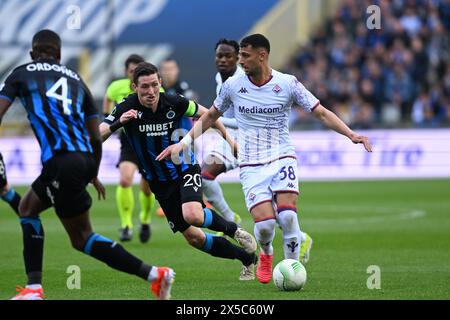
(291, 233)
(214, 194)
(33, 286)
(264, 234)
(153, 275)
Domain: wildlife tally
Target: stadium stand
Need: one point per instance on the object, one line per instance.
(395, 76)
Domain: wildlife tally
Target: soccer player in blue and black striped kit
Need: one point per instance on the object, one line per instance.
(65, 121)
(152, 121)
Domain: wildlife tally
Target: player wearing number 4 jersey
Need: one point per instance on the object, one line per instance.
(65, 121)
(152, 121)
(261, 99)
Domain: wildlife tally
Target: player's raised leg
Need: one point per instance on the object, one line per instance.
(115, 256)
(296, 244)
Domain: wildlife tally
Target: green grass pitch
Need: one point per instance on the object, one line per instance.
(403, 227)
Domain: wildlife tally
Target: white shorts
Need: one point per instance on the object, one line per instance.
(260, 183)
(214, 144)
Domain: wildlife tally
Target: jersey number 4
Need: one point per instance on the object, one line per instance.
(52, 93)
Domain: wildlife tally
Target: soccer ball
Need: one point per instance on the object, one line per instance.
(289, 275)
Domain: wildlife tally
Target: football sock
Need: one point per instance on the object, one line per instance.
(153, 274)
(221, 247)
(287, 217)
(34, 286)
(13, 199)
(147, 205)
(33, 248)
(215, 222)
(115, 256)
(125, 204)
(214, 194)
(264, 231)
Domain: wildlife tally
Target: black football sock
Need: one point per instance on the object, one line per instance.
(221, 247)
(216, 222)
(115, 256)
(33, 248)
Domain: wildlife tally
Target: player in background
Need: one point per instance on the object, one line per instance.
(65, 121)
(116, 92)
(219, 157)
(7, 193)
(261, 99)
(152, 121)
(171, 83)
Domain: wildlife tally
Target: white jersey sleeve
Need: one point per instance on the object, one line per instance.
(302, 96)
(223, 101)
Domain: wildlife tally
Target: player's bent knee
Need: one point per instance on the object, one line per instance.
(287, 220)
(196, 242)
(267, 228)
(25, 211)
(4, 190)
(125, 182)
(194, 239)
(193, 213)
(193, 216)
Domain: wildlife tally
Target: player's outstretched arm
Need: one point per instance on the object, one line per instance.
(333, 122)
(207, 119)
(229, 122)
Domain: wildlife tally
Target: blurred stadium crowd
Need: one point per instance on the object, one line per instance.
(395, 76)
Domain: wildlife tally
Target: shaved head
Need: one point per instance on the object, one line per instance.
(46, 44)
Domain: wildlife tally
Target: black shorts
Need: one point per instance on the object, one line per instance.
(62, 183)
(3, 180)
(126, 151)
(171, 195)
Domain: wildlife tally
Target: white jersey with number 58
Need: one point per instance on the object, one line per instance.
(262, 114)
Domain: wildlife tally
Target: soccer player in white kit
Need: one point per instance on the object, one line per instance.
(218, 156)
(261, 100)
